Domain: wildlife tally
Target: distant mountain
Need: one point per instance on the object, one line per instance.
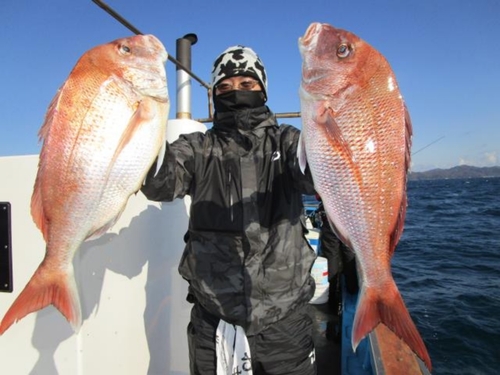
(461, 171)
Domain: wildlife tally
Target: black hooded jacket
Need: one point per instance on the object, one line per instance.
(246, 258)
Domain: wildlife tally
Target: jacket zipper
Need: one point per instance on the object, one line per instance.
(230, 179)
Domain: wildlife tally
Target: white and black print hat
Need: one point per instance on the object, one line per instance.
(239, 61)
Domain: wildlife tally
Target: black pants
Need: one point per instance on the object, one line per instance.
(340, 260)
(284, 348)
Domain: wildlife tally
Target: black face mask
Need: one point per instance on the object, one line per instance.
(238, 99)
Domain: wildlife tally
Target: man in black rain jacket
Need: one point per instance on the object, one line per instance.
(246, 259)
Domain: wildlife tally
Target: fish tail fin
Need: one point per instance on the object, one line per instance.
(389, 309)
(45, 289)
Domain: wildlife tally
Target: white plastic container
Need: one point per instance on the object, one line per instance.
(319, 272)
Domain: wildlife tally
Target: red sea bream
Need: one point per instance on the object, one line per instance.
(356, 138)
(102, 132)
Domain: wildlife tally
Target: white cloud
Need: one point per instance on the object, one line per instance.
(486, 159)
(492, 158)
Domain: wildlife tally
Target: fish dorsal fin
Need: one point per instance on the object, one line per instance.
(37, 211)
(408, 138)
(398, 228)
(50, 115)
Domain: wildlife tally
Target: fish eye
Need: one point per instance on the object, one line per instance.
(124, 49)
(343, 51)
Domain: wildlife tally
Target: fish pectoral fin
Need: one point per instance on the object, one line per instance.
(145, 111)
(301, 154)
(326, 120)
(98, 232)
(161, 154)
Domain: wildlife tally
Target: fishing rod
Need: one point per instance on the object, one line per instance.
(277, 115)
(423, 148)
(135, 30)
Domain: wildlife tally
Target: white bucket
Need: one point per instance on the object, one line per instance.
(313, 238)
(319, 272)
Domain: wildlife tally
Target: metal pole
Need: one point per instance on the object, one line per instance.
(183, 53)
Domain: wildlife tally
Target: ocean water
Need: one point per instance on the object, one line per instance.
(447, 268)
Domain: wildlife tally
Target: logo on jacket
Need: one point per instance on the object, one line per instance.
(276, 155)
(312, 356)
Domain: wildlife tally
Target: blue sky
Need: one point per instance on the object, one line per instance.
(445, 54)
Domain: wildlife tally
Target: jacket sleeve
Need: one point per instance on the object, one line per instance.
(174, 177)
(290, 142)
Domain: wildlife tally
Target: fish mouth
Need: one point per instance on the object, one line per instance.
(311, 95)
(307, 43)
(309, 40)
(160, 94)
(148, 80)
(310, 76)
(157, 46)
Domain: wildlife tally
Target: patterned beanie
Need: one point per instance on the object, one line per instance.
(239, 61)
